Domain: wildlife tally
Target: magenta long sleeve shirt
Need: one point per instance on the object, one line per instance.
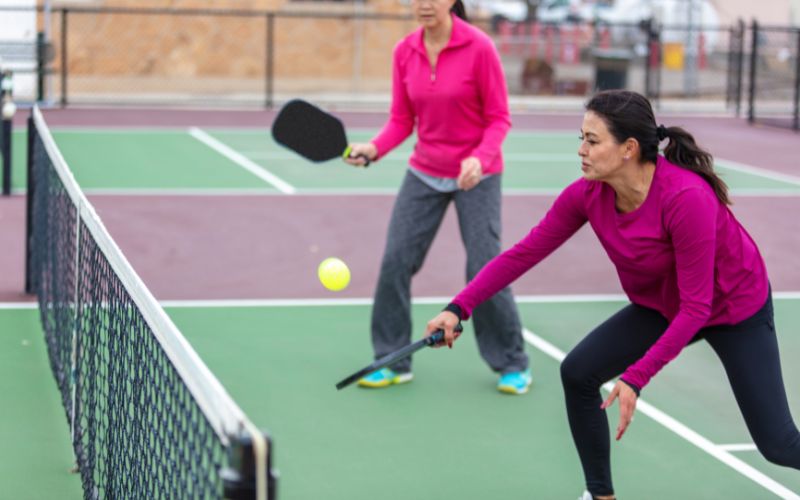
(682, 253)
(459, 107)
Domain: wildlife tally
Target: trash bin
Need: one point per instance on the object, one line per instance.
(537, 77)
(611, 68)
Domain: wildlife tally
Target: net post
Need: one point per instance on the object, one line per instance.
(240, 478)
(6, 146)
(29, 284)
(6, 123)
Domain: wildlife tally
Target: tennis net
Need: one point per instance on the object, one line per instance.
(148, 419)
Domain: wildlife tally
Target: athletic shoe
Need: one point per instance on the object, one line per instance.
(384, 378)
(586, 496)
(515, 382)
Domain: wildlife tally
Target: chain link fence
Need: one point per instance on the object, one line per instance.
(262, 58)
(774, 93)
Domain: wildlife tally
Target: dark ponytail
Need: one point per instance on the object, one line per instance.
(459, 10)
(682, 150)
(629, 115)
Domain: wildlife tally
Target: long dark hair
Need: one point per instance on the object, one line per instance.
(459, 10)
(629, 115)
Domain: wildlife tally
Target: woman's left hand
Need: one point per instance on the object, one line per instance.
(471, 172)
(627, 405)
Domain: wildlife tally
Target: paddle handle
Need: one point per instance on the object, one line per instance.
(348, 154)
(393, 357)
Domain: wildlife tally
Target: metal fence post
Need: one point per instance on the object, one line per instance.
(751, 112)
(796, 124)
(64, 68)
(41, 55)
(740, 66)
(733, 88)
(270, 61)
(652, 69)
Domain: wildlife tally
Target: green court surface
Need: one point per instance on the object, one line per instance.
(36, 456)
(145, 160)
(448, 434)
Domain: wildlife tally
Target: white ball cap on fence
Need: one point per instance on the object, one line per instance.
(9, 108)
(8, 82)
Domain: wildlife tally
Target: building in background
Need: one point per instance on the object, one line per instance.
(18, 45)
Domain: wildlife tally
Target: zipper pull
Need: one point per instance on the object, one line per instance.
(433, 76)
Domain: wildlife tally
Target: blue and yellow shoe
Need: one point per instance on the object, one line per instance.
(515, 382)
(384, 378)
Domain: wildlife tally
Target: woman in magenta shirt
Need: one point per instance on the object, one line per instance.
(447, 82)
(687, 265)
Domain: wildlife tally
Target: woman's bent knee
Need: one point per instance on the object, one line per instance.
(574, 375)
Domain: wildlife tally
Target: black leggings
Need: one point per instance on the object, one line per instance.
(748, 351)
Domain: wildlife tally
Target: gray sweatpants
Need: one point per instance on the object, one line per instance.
(416, 217)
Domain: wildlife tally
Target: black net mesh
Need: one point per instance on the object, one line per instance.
(138, 432)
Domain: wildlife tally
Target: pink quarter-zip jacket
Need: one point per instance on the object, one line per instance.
(460, 106)
(681, 253)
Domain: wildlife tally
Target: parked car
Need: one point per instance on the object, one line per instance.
(499, 10)
(566, 11)
(626, 16)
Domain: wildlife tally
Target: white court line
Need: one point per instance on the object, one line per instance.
(265, 191)
(539, 343)
(758, 171)
(368, 191)
(19, 305)
(402, 156)
(563, 157)
(738, 447)
(680, 429)
(242, 161)
(365, 301)
(789, 192)
(260, 131)
(720, 452)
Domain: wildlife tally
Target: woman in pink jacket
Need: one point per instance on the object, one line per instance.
(447, 82)
(687, 265)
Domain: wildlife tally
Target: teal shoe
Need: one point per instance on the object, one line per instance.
(515, 382)
(384, 378)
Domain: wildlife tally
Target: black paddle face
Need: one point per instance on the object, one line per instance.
(309, 131)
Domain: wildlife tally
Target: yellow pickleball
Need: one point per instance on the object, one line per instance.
(333, 274)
